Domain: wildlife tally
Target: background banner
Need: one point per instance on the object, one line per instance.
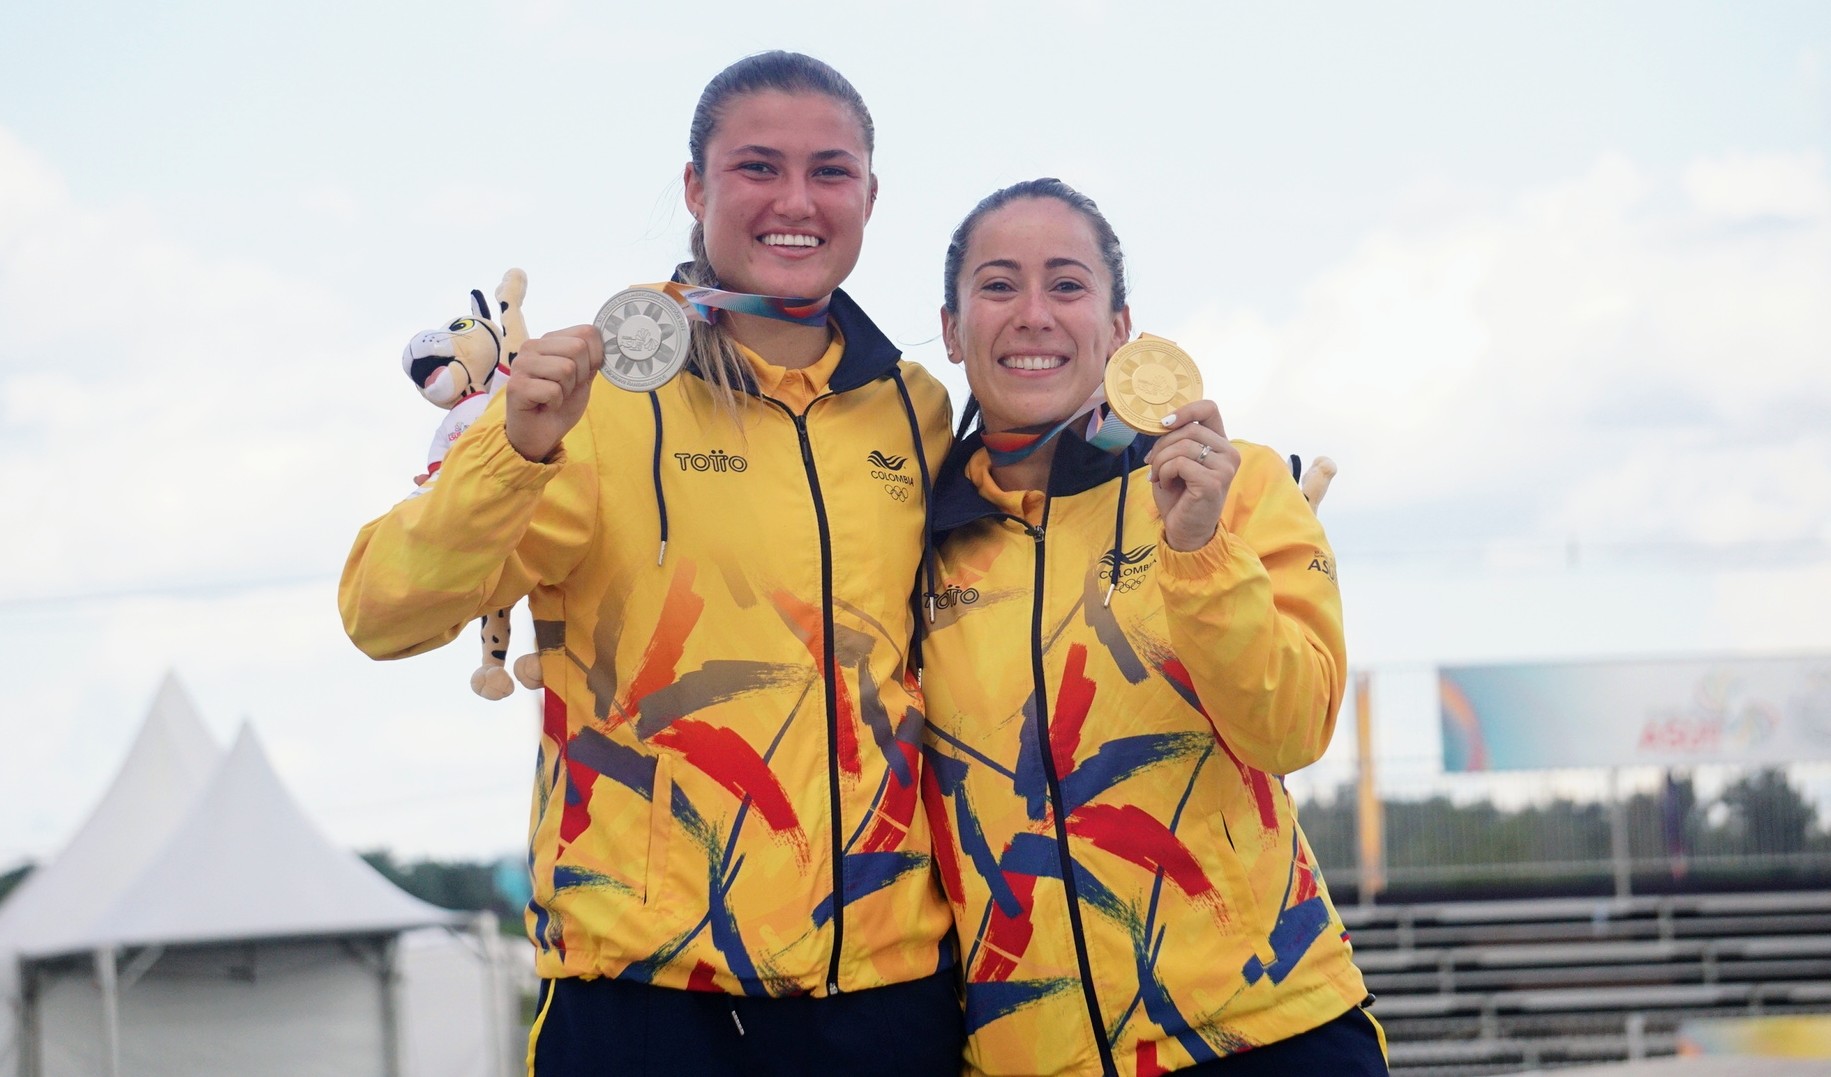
(1662, 713)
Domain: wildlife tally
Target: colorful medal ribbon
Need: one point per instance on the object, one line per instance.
(703, 304)
(1007, 447)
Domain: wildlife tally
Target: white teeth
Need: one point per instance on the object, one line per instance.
(783, 239)
(1033, 362)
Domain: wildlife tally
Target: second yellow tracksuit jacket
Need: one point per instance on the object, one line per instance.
(1132, 891)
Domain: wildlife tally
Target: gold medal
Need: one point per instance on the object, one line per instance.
(1148, 379)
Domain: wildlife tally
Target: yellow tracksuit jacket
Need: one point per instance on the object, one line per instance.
(731, 737)
(1131, 888)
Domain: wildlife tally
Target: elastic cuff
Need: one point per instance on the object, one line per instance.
(503, 463)
(1196, 564)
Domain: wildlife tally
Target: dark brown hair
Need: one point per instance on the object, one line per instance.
(1046, 187)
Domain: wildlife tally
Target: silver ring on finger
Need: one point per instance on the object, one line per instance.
(1206, 449)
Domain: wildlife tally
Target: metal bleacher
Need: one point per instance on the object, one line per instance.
(1491, 987)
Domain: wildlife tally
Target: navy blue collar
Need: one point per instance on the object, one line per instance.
(1076, 468)
(869, 354)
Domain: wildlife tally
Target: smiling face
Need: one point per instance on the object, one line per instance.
(1036, 322)
(785, 193)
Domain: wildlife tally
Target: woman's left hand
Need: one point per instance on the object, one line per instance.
(1192, 467)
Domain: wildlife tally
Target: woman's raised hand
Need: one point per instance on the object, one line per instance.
(1192, 467)
(549, 385)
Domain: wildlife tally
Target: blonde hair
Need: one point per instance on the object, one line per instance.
(711, 348)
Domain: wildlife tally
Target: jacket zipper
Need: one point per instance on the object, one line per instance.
(1045, 749)
(832, 696)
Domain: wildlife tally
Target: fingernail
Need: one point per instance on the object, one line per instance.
(1170, 419)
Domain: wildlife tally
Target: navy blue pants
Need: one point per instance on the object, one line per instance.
(1348, 1046)
(606, 1026)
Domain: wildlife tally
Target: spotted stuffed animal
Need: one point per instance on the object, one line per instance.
(458, 368)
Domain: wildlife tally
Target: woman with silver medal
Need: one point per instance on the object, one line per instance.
(731, 871)
(1109, 721)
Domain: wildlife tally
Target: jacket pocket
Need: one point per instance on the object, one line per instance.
(1237, 847)
(660, 825)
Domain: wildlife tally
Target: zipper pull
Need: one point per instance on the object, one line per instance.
(807, 450)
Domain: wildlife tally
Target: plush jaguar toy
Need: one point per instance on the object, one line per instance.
(458, 368)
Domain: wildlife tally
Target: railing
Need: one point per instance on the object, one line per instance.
(1467, 988)
(1624, 832)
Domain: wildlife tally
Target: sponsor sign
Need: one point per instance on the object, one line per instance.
(1661, 713)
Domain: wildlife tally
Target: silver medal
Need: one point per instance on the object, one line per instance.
(645, 338)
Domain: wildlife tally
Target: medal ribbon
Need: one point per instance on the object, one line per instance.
(703, 304)
(1104, 431)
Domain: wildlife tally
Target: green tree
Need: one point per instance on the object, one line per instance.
(13, 878)
(1768, 814)
(1328, 822)
(463, 885)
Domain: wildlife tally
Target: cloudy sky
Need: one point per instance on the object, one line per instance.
(1551, 282)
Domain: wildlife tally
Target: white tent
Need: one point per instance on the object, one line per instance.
(200, 924)
(168, 766)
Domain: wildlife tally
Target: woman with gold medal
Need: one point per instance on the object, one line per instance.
(1146, 652)
(731, 872)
